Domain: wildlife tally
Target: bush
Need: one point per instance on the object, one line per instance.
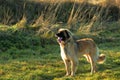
(19, 39)
(13, 11)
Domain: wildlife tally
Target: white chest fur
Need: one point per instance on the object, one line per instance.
(64, 54)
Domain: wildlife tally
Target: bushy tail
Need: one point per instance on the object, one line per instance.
(101, 58)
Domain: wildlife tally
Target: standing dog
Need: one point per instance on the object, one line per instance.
(72, 49)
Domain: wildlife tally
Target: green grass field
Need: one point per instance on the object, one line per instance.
(46, 64)
(28, 50)
(23, 58)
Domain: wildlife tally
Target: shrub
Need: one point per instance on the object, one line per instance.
(20, 39)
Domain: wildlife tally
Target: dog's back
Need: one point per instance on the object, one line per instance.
(86, 44)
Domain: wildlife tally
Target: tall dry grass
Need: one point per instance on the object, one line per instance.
(82, 15)
(47, 15)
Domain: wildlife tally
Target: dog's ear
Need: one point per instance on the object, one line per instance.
(66, 34)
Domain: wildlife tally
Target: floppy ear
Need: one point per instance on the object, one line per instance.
(66, 34)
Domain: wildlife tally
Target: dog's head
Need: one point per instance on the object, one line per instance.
(63, 35)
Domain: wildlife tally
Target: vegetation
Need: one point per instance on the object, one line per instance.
(46, 64)
(28, 48)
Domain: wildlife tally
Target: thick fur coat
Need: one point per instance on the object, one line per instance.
(72, 49)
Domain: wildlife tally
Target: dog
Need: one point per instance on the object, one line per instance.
(72, 49)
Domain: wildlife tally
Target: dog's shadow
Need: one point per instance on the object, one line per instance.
(109, 65)
(84, 67)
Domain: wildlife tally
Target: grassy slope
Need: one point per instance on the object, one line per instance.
(46, 64)
(27, 60)
(31, 65)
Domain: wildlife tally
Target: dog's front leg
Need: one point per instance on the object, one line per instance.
(74, 64)
(67, 66)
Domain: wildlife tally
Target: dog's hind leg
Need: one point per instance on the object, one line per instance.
(93, 65)
(87, 57)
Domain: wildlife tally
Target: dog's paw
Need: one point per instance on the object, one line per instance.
(67, 74)
(72, 75)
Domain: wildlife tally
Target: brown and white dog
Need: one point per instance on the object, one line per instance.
(72, 49)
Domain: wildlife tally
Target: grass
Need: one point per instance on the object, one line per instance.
(27, 56)
(22, 56)
(47, 65)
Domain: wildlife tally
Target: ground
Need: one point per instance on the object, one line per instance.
(47, 65)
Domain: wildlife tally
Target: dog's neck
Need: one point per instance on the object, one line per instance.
(64, 43)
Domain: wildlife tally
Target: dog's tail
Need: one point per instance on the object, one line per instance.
(101, 59)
